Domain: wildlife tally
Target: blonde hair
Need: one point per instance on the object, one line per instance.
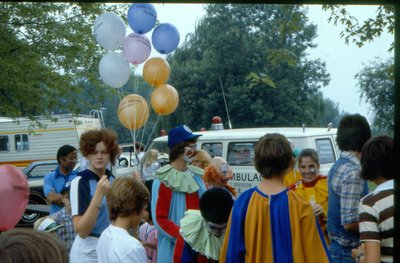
(203, 157)
(151, 157)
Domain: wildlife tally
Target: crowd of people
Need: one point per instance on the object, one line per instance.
(187, 211)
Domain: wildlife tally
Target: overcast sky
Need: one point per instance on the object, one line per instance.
(342, 61)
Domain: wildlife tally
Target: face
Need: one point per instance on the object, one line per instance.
(197, 162)
(68, 162)
(100, 157)
(308, 168)
(216, 229)
(190, 152)
(226, 173)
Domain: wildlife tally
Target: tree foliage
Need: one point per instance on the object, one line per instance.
(47, 50)
(357, 32)
(260, 54)
(376, 82)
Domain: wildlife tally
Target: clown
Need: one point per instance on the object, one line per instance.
(218, 174)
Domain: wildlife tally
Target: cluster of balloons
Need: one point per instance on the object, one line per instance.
(114, 68)
(14, 196)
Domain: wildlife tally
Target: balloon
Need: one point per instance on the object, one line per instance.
(142, 17)
(114, 69)
(165, 38)
(164, 99)
(156, 71)
(133, 111)
(14, 196)
(109, 30)
(136, 48)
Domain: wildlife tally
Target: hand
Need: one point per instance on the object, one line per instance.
(318, 210)
(357, 253)
(103, 185)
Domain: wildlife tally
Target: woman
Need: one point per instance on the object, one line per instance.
(176, 188)
(150, 166)
(88, 202)
(314, 186)
(218, 174)
(201, 159)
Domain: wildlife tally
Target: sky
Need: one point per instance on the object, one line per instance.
(343, 61)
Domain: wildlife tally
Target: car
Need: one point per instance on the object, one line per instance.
(35, 173)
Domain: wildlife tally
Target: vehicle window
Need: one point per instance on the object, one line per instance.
(214, 149)
(325, 151)
(21, 142)
(41, 170)
(4, 144)
(241, 153)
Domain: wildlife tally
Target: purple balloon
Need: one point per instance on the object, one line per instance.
(136, 48)
(165, 38)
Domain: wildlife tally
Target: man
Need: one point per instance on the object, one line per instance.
(346, 187)
(176, 188)
(61, 177)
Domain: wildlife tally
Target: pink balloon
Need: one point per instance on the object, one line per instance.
(14, 196)
(136, 48)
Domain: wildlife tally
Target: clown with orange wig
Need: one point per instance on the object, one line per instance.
(218, 174)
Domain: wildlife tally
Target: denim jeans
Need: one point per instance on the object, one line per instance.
(340, 254)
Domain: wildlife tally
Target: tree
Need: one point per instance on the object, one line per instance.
(376, 82)
(46, 50)
(259, 52)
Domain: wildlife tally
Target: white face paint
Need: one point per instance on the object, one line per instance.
(189, 153)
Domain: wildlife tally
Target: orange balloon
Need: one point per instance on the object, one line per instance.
(164, 99)
(133, 111)
(156, 71)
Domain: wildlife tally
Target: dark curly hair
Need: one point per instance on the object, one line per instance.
(179, 149)
(90, 138)
(377, 159)
(353, 132)
(273, 155)
(126, 196)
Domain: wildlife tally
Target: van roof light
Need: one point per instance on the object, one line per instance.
(216, 123)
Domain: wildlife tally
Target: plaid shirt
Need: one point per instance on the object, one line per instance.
(66, 233)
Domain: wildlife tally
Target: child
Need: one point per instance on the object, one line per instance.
(127, 200)
(150, 166)
(63, 217)
(202, 231)
(218, 174)
(314, 186)
(148, 236)
(268, 222)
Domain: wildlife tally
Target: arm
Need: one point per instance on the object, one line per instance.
(162, 207)
(50, 192)
(372, 252)
(83, 224)
(53, 197)
(351, 192)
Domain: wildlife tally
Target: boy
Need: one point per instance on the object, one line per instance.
(127, 200)
(269, 223)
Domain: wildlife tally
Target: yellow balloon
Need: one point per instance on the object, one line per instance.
(164, 99)
(156, 71)
(133, 111)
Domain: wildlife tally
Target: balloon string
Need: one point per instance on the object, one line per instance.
(152, 131)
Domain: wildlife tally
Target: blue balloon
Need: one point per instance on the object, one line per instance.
(142, 17)
(165, 38)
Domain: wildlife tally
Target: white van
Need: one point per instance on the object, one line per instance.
(237, 147)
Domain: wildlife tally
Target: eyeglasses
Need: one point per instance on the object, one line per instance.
(192, 146)
(70, 159)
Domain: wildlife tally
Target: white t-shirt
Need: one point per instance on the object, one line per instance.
(117, 245)
(148, 171)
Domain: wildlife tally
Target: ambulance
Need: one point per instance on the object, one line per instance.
(236, 146)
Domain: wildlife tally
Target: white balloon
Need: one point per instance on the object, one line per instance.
(114, 69)
(109, 30)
